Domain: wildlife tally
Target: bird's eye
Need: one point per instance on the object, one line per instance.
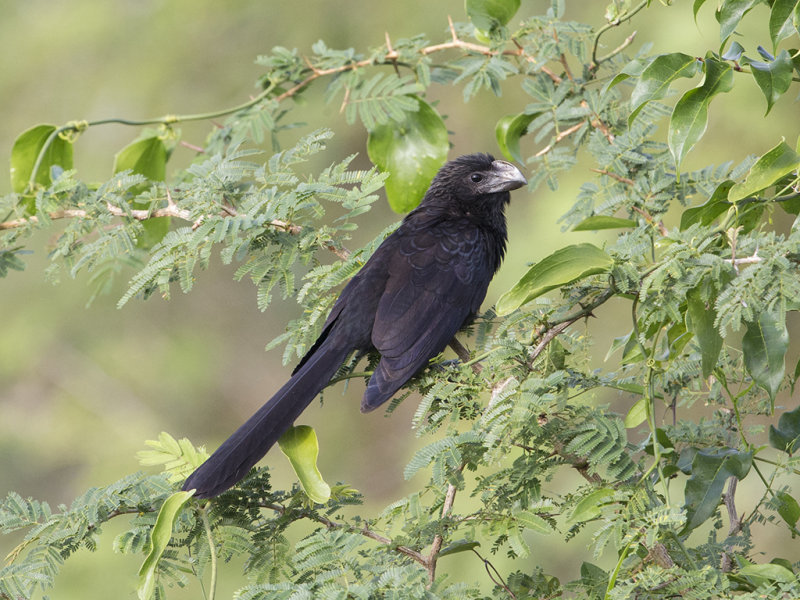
(476, 177)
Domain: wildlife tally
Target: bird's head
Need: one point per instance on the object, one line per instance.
(475, 183)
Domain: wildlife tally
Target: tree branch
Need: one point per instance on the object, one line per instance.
(447, 506)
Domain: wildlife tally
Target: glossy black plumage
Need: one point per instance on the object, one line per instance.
(423, 283)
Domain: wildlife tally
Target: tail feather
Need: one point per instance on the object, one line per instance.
(237, 455)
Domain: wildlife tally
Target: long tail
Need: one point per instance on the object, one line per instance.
(234, 458)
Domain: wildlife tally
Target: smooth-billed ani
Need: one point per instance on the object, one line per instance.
(422, 284)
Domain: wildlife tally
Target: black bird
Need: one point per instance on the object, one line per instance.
(422, 284)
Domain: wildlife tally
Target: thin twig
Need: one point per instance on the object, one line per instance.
(626, 16)
(619, 178)
(735, 522)
(628, 41)
(652, 221)
(365, 531)
(559, 137)
(598, 124)
(490, 569)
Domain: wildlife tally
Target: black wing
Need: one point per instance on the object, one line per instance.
(437, 279)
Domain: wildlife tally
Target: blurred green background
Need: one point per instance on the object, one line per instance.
(82, 388)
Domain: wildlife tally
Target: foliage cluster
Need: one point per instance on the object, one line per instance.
(706, 260)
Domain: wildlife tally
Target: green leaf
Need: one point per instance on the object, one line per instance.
(598, 222)
(560, 268)
(508, 132)
(489, 14)
(796, 17)
(710, 470)
(764, 346)
(769, 168)
(714, 207)
(780, 20)
(533, 522)
(300, 445)
(690, 116)
(411, 151)
(162, 532)
(700, 321)
(26, 150)
(786, 437)
(773, 77)
(458, 546)
(696, 7)
(788, 508)
(637, 414)
(767, 573)
(730, 14)
(589, 506)
(146, 157)
(632, 69)
(656, 78)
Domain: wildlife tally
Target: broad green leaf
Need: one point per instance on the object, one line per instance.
(796, 21)
(159, 538)
(598, 222)
(773, 77)
(589, 506)
(700, 321)
(769, 168)
(696, 7)
(730, 14)
(780, 20)
(146, 157)
(690, 116)
(509, 130)
(560, 268)
(767, 573)
(595, 580)
(411, 152)
(764, 346)
(786, 437)
(456, 547)
(710, 471)
(26, 150)
(637, 414)
(489, 14)
(656, 78)
(714, 207)
(300, 445)
(788, 508)
(533, 522)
